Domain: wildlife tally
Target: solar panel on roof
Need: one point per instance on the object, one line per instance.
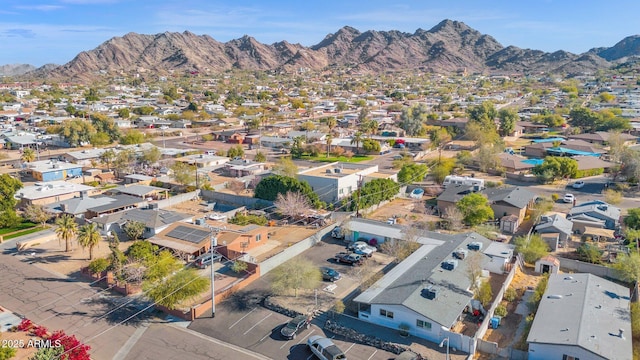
(188, 234)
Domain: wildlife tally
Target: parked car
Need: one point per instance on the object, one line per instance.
(417, 193)
(329, 274)
(569, 198)
(295, 326)
(324, 348)
(206, 259)
(337, 233)
(349, 258)
(578, 184)
(361, 248)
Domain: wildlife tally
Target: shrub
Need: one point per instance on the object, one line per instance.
(338, 307)
(40, 331)
(555, 197)
(98, 265)
(239, 266)
(25, 325)
(501, 310)
(510, 295)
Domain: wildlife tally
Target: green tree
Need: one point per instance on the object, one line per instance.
(484, 294)
(99, 265)
(532, 248)
(134, 229)
(142, 250)
(357, 140)
(171, 291)
(371, 146)
(132, 137)
(235, 151)
(260, 157)
(48, 353)
(106, 125)
(628, 267)
(413, 118)
(331, 123)
(66, 230)
(296, 147)
(411, 173)
(75, 131)
(89, 237)
(124, 113)
(151, 155)
(485, 114)
(269, 188)
(28, 155)
(296, 274)
(124, 161)
(557, 166)
(107, 157)
(183, 173)
(286, 167)
(160, 266)
(372, 193)
(585, 119)
(475, 209)
(100, 139)
(590, 253)
(508, 118)
(439, 137)
(239, 266)
(8, 352)
(632, 220)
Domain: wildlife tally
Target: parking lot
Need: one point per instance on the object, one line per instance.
(242, 321)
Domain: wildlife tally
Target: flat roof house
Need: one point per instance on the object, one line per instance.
(52, 192)
(581, 316)
(53, 170)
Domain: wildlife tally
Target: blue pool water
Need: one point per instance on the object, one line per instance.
(533, 162)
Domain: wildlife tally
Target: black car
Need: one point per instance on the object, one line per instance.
(329, 274)
(296, 325)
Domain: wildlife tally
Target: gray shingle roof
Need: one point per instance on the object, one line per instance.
(556, 223)
(514, 196)
(403, 285)
(586, 311)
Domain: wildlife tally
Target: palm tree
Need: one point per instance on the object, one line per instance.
(357, 139)
(328, 139)
(331, 123)
(89, 237)
(28, 155)
(66, 230)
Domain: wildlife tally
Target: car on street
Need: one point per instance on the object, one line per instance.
(349, 258)
(295, 326)
(329, 274)
(361, 248)
(324, 348)
(578, 184)
(568, 198)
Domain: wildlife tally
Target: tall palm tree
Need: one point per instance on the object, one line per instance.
(28, 155)
(66, 230)
(89, 237)
(357, 139)
(329, 139)
(331, 123)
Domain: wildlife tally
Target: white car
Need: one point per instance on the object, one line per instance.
(324, 348)
(578, 184)
(569, 198)
(361, 248)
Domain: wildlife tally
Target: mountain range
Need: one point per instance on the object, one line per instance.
(447, 47)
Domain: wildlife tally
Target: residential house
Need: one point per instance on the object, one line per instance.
(594, 215)
(335, 181)
(589, 163)
(189, 239)
(204, 160)
(530, 128)
(602, 137)
(513, 163)
(53, 170)
(51, 192)
(155, 220)
(456, 123)
(138, 179)
(114, 204)
(243, 167)
(235, 243)
(555, 229)
(428, 291)
(141, 191)
(581, 316)
(83, 157)
(275, 142)
(545, 147)
(230, 136)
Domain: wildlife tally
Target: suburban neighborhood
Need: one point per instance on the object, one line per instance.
(470, 216)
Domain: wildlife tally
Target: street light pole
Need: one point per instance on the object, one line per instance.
(442, 344)
(213, 288)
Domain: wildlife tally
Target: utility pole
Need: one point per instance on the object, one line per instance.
(358, 195)
(214, 242)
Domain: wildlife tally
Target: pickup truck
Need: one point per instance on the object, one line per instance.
(349, 258)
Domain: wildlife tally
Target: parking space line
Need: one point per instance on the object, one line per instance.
(285, 344)
(304, 338)
(372, 354)
(264, 337)
(256, 324)
(236, 323)
(352, 345)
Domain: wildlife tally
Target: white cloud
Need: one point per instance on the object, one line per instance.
(39, 7)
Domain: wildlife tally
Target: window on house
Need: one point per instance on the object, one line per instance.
(386, 313)
(423, 324)
(568, 357)
(258, 237)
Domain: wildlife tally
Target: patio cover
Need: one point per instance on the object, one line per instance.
(599, 232)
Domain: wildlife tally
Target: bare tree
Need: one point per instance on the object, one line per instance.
(37, 214)
(134, 271)
(292, 204)
(236, 186)
(474, 269)
(454, 218)
(400, 249)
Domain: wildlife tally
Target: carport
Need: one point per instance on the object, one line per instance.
(597, 233)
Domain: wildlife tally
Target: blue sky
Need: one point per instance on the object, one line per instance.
(54, 31)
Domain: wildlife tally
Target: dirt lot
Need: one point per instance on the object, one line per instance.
(505, 333)
(406, 210)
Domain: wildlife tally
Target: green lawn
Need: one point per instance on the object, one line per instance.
(324, 158)
(21, 226)
(25, 232)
